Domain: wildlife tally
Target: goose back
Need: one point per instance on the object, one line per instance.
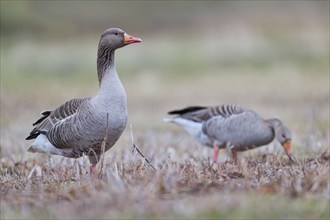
(200, 113)
(243, 131)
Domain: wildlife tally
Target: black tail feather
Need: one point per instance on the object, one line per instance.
(32, 136)
(45, 115)
(186, 110)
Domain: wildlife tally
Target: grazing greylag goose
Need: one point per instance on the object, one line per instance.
(78, 127)
(231, 127)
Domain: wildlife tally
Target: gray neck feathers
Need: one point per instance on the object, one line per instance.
(105, 60)
(275, 124)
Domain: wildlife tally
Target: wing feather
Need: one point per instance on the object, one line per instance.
(244, 129)
(50, 118)
(200, 114)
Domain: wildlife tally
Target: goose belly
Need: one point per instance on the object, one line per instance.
(98, 126)
(249, 141)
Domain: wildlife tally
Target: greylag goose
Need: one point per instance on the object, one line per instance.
(231, 127)
(78, 127)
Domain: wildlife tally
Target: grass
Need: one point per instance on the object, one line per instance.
(258, 187)
(286, 76)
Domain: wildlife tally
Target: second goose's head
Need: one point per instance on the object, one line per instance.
(283, 135)
(115, 38)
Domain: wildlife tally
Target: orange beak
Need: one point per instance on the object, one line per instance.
(287, 149)
(287, 146)
(128, 39)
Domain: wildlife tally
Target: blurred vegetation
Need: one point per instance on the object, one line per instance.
(286, 26)
(181, 36)
(58, 18)
(47, 45)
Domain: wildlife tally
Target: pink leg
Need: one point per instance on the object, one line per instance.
(93, 166)
(215, 153)
(234, 155)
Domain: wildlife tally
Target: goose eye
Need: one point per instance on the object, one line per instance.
(116, 33)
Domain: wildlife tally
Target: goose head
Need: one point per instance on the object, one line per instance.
(284, 136)
(115, 38)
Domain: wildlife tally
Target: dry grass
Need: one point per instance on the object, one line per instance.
(128, 188)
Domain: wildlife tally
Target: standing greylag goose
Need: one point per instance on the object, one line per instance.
(78, 126)
(231, 127)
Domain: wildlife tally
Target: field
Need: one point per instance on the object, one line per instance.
(277, 66)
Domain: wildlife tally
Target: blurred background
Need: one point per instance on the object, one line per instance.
(270, 56)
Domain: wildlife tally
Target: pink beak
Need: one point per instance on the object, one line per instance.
(128, 39)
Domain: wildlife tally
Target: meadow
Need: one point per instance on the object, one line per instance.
(279, 69)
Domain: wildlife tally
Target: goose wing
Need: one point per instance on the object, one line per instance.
(243, 129)
(200, 113)
(50, 118)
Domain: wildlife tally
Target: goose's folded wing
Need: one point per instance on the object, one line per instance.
(50, 118)
(225, 117)
(200, 114)
(227, 111)
(245, 128)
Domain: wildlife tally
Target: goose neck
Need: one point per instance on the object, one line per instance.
(105, 61)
